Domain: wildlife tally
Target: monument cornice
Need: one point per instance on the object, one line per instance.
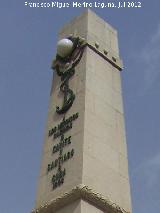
(80, 192)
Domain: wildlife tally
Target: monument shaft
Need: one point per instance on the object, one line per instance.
(84, 165)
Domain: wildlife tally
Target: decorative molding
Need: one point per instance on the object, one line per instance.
(80, 192)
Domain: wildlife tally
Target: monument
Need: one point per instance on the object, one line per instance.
(84, 166)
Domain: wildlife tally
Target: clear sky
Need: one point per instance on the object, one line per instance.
(28, 39)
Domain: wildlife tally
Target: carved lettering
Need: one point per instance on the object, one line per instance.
(65, 157)
(63, 127)
(58, 178)
(61, 145)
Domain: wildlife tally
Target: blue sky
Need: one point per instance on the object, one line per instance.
(27, 44)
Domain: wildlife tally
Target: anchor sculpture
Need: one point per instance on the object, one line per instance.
(69, 54)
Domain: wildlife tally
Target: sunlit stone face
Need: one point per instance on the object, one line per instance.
(64, 47)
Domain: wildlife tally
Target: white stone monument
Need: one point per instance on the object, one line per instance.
(84, 166)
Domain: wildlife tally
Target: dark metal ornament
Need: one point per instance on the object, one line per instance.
(70, 62)
(69, 96)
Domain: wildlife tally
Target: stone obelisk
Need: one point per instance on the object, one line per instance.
(84, 166)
